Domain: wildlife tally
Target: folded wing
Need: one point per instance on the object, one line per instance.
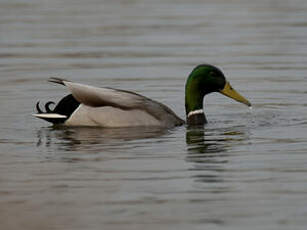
(94, 96)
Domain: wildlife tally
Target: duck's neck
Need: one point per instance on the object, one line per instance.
(194, 104)
(196, 117)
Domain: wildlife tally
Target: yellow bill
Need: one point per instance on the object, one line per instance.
(230, 92)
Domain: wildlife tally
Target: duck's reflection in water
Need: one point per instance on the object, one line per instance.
(207, 150)
(87, 138)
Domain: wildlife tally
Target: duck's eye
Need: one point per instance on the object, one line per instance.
(212, 74)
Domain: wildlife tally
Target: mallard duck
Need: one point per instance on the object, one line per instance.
(108, 107)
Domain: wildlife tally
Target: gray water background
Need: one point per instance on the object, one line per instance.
(247, 169)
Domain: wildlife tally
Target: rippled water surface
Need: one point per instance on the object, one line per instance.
(246, 169)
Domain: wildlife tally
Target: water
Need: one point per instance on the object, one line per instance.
(245, 170)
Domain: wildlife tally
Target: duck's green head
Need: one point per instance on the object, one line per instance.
(205, 79)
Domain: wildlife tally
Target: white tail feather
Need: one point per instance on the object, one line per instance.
(49, 115)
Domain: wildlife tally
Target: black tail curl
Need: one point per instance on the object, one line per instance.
(48, 110)
(47, 107)
(66, 106)
(37, 108)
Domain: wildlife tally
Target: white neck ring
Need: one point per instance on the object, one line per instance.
(199, 111)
